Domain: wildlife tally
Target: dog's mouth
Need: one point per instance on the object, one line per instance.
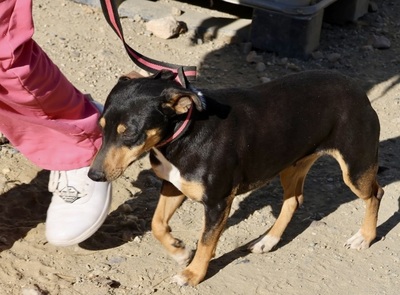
(109, 165)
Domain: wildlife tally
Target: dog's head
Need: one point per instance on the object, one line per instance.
(137, 116)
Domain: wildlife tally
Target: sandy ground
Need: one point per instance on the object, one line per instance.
(124, 258)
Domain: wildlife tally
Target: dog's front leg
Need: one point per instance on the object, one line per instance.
(214, 224)
(170, 199)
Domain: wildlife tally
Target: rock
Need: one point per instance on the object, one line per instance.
(253, 57)
(293, 67)
(379, 42)
(265, 79)
(246, 47)
(176, 11)
(317, 55)
(334, 57)
(283, 61)
(126, 208)
(164, 28)
(260, 66)
(5, 171)
(137, 18)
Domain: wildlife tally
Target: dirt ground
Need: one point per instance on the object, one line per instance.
(124, 258)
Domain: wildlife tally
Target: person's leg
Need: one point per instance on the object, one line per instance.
(42, 114)
(53, 124)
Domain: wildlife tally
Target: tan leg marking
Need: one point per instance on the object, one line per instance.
(367, 189)
(197, 269)
(170, 200)
(292, 180)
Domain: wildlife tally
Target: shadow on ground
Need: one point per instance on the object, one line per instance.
(22, 208)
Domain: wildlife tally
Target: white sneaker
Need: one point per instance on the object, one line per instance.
(78, 207)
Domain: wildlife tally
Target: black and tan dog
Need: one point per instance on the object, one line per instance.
(236, 141)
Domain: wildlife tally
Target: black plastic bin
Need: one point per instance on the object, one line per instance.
(293, 27)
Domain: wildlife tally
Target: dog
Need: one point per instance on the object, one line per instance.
(210, 145)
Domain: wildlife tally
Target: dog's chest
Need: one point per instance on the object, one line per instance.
(166, 170)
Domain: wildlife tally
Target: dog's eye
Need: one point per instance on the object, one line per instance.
(128, 139)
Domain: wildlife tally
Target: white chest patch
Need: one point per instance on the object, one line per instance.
(167, 171)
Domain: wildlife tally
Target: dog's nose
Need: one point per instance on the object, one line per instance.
(96, 175)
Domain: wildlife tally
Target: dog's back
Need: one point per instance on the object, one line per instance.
(263, 129)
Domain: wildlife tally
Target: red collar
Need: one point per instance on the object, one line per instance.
(179, 131)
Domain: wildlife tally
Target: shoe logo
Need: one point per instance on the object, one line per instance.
(69, 194)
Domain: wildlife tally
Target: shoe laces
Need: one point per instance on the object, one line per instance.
(68, 185)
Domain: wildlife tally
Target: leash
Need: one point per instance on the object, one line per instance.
(110, 11)
(184, 74)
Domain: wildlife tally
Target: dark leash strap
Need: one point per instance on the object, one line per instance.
(110, 11)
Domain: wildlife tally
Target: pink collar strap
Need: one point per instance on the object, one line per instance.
(180, 130)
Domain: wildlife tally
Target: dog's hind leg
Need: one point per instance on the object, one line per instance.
(360, 177)
(170, 199)
(292, 180)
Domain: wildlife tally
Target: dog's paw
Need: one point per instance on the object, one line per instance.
(263, 244)
(183, 257)
(180, 280)
(357, 242)
(187, 278)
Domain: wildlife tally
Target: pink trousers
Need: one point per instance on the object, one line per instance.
(42, 114)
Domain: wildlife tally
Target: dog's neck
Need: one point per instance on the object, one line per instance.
(179, 129)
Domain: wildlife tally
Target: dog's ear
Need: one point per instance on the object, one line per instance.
(164, 75)
(180, 100)
(131, 75)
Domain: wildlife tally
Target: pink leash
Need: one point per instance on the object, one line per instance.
(110, 11)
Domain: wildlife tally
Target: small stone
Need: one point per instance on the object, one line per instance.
(126, 208)
(265, 79)
(137, 18)
(283, 61)
(334, 57)
(317, 55)
(127, 235)
(33, 291)
(176, 11)
(293, 67)
(246, 47)
(260, 67)
(164, 28)
(137, 239)
(253, 57)
(379, 42)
